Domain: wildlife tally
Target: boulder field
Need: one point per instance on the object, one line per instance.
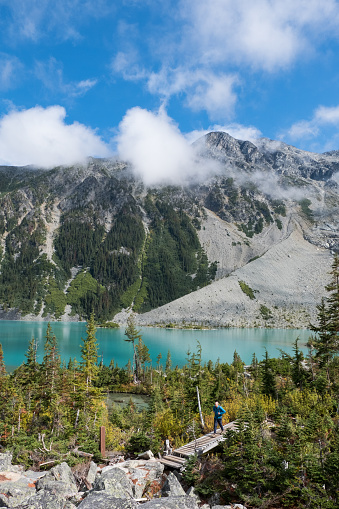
(126, 485)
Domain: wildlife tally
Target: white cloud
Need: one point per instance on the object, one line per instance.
(40, 137)
(84, 86)
(126, 64)
(327, 115)
(303, 130)
(158, 152)
(50, 73)
(204, 89)
(214, 93)
(10, 68)
(263, 34)
(323, 117)
(29, 19)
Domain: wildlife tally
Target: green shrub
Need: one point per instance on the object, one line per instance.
(246, 289)
(265, 312)
(305, 209)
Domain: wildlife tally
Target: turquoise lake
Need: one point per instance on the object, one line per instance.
(218, 343)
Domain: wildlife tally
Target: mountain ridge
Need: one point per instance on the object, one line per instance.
(85, 219)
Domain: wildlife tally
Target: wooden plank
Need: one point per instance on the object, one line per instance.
(171, 457)
(170, 463)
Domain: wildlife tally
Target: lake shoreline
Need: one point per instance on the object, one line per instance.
(51, 319)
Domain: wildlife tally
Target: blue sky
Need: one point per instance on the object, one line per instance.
(81, 78)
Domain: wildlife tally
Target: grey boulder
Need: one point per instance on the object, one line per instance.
(5, 461)
(91, 474)
(46, 500)
(147, 478)
(172, 487)
(115, 482)
(15, 493)
(171, 503)
(147, 455)
(102, 500)
(59, 480)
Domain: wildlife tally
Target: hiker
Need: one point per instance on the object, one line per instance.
(218, 413)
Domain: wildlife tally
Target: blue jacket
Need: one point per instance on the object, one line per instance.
(218, 411)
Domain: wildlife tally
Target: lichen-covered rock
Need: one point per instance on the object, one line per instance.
(102, 500)
(15, 492)
(147, 455)
(115, 482)
(146, 479)
(171, 503)
(5, 461)
(92, 472)
(46, 500)
(172, 487)
(32, 476)
(192, 493)
(59, 479)
(59, 488)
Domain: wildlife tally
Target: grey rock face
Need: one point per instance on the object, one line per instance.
(59, 479)
(102, 500)
(14, 494)
(61, 473)
(92, 472)
(115, 482)
(192, 493)
(147, 455)
(45, 500)
(171, 503)
(150, 475)
(5, 461)
(172, 487)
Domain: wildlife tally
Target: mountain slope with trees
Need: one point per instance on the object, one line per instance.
(93, 237)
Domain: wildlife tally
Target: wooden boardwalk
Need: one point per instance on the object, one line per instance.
(199, 446)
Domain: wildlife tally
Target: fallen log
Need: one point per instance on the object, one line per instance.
(81, 453)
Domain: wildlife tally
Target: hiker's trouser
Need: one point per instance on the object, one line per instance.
(216, 422)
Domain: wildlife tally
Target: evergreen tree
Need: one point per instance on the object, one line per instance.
(326, 341)
(3, 374)
(133, 335)
(31, 361)
(2, 363)
(89, 354)
(50, 365)
(333, 300)
(168, 365)
(268, 377)
(143, 355)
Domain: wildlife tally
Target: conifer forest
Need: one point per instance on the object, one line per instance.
(284, 452)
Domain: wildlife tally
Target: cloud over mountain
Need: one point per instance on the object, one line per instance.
(156, 149)
(41, 137)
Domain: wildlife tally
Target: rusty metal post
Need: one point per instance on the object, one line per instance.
(102, 441)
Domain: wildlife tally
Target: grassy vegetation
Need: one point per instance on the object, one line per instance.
(265, 312)
(305, 209)
(246, 289)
